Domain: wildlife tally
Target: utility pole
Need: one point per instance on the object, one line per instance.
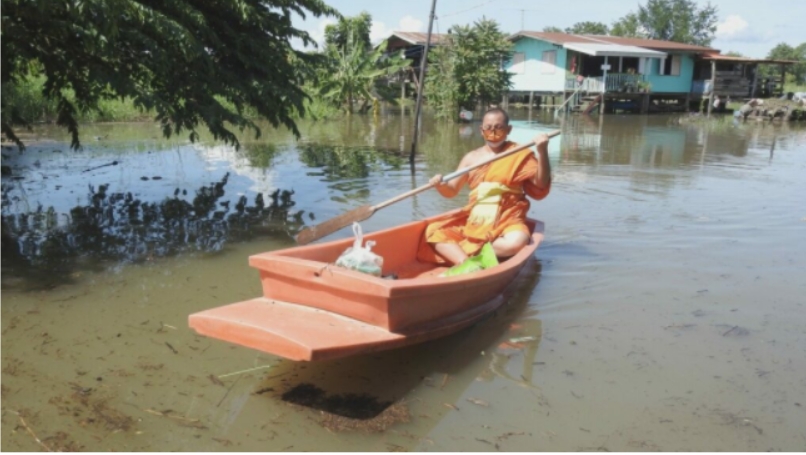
(423, 63)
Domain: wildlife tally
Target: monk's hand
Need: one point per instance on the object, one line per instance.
(541, 141)
(436, 180)
(541, 145)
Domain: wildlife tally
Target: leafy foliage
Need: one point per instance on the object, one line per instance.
(356, 73)
(466, 69)
(783, 51)
(588, 28)
(190, 61)
(628, 26)
(356, 28)
(552, 29)
(682, 21)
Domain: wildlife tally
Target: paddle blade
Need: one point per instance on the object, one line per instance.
(309, 234)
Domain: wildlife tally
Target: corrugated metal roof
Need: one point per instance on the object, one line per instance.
(613, 50)
(418, 38)
(556, 38)
(655, 44)
(563, 38)
(736, 59)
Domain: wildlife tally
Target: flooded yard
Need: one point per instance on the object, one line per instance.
(665, 310)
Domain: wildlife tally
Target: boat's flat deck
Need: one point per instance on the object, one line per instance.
(289, 330)
(299, 332)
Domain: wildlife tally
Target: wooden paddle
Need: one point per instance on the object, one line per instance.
(309, 234)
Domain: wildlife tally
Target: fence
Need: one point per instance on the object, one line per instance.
(616, 82)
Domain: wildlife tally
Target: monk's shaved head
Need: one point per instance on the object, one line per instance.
(498, 111)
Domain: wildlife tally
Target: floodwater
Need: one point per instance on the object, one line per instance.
(665, 310)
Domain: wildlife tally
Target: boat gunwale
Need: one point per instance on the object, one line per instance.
(402, 285)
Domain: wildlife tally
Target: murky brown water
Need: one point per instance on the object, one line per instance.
(665, 312)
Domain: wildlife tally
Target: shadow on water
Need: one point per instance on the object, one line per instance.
(341, 162)
(369, 392)
(44, 248)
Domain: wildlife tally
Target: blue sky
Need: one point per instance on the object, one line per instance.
(749, 27)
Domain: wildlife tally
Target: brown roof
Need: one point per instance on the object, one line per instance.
(562, 38)
(417, 38)
(556, 38)
(731, 58)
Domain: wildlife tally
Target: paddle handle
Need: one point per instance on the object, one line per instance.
(453, 175)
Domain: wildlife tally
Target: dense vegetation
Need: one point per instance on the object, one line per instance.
(466, 68)
(224, 64)
(191, 62)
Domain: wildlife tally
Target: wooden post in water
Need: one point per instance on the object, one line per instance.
(423, 63)
(713, 86)
(605, 67)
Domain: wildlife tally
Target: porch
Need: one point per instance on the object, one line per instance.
(613, 82)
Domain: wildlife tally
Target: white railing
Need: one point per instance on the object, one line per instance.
(616, 82)
(623, 82)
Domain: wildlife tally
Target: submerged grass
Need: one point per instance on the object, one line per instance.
(27, 96)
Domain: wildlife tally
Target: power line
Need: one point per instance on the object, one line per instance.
(466, 10)
(523, 10)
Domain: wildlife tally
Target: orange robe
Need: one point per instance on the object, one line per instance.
(497, 206)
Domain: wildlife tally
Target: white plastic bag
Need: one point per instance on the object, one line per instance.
(361, 258)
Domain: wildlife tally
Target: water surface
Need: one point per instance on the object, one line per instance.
(665, 310)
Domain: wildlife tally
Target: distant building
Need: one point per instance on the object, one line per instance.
(627, 73)
(411, 45)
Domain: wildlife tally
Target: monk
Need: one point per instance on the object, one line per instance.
(497, 208)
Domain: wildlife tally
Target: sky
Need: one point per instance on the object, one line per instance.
(750, 27)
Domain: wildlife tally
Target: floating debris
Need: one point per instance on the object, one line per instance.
(522, 339)
(478, 402)
(348, 412)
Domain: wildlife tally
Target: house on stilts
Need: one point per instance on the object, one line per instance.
(589, 73)
(411, 45)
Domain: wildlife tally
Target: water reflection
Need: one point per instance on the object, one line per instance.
(336, 163)
(46, 247)
(428, 375)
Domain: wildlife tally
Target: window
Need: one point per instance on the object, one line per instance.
(549, 61)
(630, 63)
(670, 66)
(518, 65)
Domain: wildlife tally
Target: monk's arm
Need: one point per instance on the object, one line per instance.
(451, 188)
(542, 178)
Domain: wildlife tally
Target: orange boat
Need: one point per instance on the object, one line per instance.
(312, 309)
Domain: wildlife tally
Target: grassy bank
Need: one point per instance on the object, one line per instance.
(27, 97)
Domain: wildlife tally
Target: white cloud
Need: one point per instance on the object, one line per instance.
(318, 35)
(380, 31)
(736, 29)
(731, 27)
(411, 24)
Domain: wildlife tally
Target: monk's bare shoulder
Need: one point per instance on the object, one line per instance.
(475, 156)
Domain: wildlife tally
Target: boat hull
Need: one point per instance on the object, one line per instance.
(314, 310)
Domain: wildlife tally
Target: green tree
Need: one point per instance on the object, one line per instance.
(358, 27)
(191, 62)
(357, 73)
(552, 29)
(588, 28)
(800, 69)
(628, 26)
(466, 68)
(682, 21)
(783, 51)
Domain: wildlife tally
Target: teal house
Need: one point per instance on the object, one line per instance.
(629, 71)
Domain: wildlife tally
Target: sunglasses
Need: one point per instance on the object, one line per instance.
(493, 128)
